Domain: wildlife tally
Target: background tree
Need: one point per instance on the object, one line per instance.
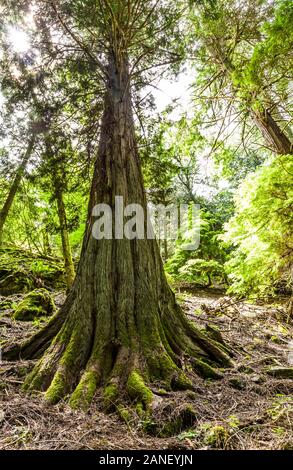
(237, 45)
(32, 82)
(261, 231)
(15, 185)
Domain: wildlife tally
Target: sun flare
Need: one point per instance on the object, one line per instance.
(18, 40)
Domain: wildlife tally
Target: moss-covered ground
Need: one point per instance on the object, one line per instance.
(22, 271)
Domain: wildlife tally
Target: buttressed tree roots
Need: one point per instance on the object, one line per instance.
(120, 328)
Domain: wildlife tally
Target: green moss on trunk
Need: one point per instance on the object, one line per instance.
(138, 390)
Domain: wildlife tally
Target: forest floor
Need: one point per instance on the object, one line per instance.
(248, 409)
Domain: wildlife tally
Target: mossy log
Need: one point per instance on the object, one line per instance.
(281, 372)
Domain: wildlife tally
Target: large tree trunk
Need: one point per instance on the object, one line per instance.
(272, 133)
(15, 185)
(66, 249)
(120, 328)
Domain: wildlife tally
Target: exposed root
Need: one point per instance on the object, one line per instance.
(137, 389)
(128, 379)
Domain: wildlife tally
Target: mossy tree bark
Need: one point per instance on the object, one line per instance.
(120, 329)
(15, 185)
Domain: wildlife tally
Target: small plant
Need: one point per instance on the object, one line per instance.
(233, 421)
(280, 407)
(279, 431)
(22, 434)
(197, 311)
(216, 436)
(188, 435)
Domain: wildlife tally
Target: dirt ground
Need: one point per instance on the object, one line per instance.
(247, 409)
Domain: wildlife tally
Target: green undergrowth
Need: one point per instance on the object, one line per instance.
(22, 271)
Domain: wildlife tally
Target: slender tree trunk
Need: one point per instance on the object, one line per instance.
(46, 242)
(165, 249)
(290, 303)
(209, 279)
(272, 133)
(58, 183)
(66, 249)
(15, 185)
(120, 328)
